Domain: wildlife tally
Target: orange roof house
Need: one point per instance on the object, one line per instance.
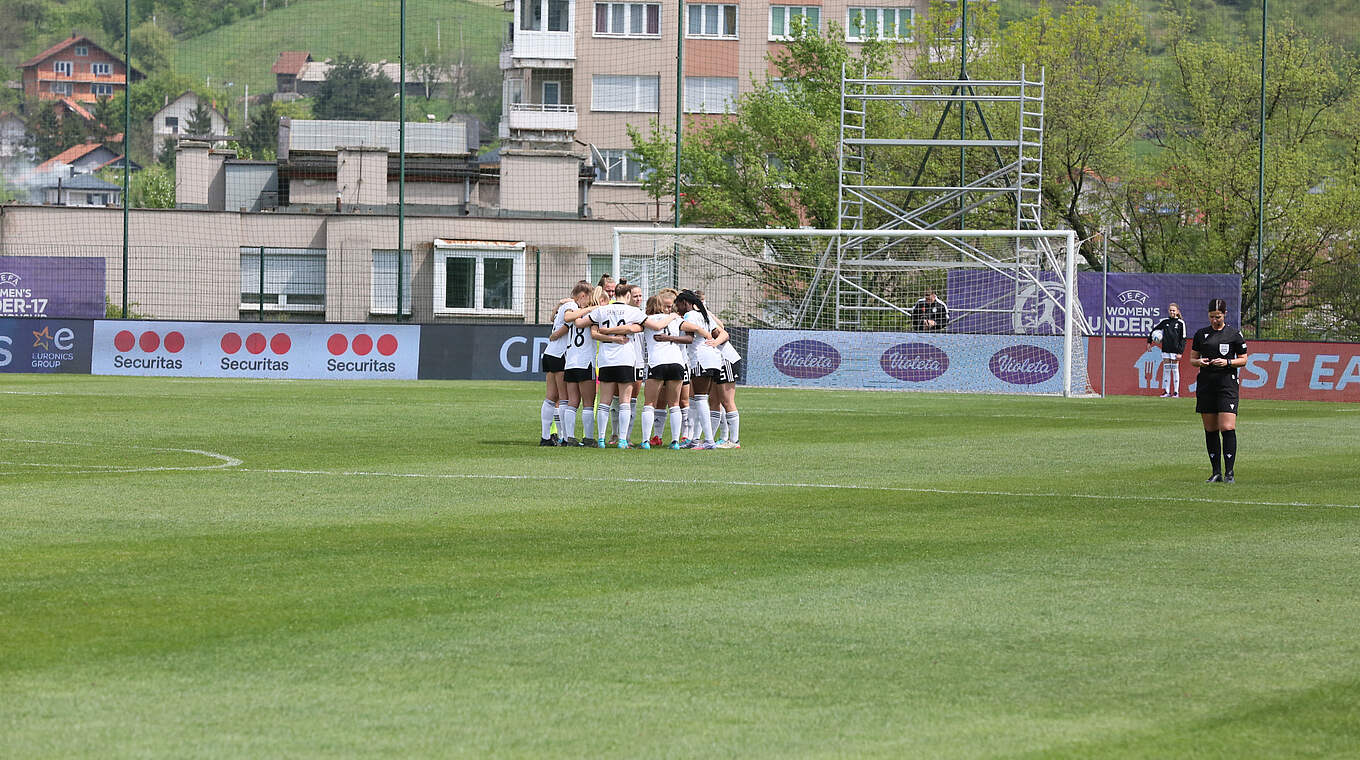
(75, 68)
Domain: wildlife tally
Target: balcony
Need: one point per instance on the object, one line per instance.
(540, 50)
(541, 117)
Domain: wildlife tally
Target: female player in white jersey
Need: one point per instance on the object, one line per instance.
(578, 375)
(666, 366)
(704, 357)
(554, 365)
(618, 369)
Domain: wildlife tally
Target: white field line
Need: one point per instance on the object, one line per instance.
(223, 461)
(826, 486)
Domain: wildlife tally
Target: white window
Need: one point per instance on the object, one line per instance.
(61, 88)
(552, 93)
(82, 50)
(479, 278)
(63, 67)
(101, 89)
(711, 21)
(101, 69)
(545, 15)
(513, 93)
(620, 165)
(384, 289)
(627, 19)
(782, 19)
(878, 23)
(710, 94)
(172, 124)
(294, 279)
(623, 92)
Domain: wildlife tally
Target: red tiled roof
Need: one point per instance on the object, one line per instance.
(291, 62)
(57, 48)
(77, 108)
(69, 155)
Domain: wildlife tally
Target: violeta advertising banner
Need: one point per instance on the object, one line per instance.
(45, 345)
(906, 361)
(1276, 369)
(263, 350)
(70, 287)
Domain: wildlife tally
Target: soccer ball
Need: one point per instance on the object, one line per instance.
(1156, 336)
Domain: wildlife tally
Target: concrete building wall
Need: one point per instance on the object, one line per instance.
(540, 181)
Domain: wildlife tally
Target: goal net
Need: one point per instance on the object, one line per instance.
(982, 311)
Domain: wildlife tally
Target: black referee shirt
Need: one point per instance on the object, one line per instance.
(1227, 343)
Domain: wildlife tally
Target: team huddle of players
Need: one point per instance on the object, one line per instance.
(605, 345)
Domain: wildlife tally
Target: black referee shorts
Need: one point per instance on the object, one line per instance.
(1216, 394)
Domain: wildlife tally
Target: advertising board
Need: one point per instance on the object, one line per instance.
(45, 345)
(69, 287)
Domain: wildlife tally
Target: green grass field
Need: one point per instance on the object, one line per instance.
(211, 568)
(246, 50)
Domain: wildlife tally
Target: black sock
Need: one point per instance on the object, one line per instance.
(1212, 444)
(1229, 450)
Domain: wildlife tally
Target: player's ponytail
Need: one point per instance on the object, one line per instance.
(1218, 304)
(696, 303)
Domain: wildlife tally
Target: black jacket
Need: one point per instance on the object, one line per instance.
(1173, 335)
(923, 311)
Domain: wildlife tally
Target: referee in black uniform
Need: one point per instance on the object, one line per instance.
(1218, 350)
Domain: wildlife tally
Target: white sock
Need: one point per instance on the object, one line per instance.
(569, 421)
(1166, 378)
(561, 407)
(614, 416)
(603, 420)
(625, 421)
(1176, 378)
(698, 403)
(684, 421)
(648, 420)
(588, 422)
(676, 423)
(715, 418)
(734, 426)
(545, 415)
(633, 415)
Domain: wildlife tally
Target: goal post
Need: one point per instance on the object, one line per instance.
(857, 293)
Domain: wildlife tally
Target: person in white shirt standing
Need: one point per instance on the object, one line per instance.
(618, 366)
(704, 357)
(554, 365)
(578, 375)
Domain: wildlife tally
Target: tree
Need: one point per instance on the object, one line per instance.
(151, 46)
(43, 128)
(152, 187)
(261, 136)
(200, 120)
(107, 122)
(353, 89)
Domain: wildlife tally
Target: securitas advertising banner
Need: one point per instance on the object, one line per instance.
(52, 286)
(906, 361)
(45, 345)
(263, 350)
(1276, 369)
(983, 301)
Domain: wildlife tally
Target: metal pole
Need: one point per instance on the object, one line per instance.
(1104, 305)
(127, 137)
(1069, 322)
(401, 161)
(963, 111)
(679, 114)
(1261, 178)
(538, 280)
(261, 293)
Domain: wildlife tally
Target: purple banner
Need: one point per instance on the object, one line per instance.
(52, 286)
(983, 301)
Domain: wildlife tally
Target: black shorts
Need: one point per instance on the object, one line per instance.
(667, 372)
(619, 374)
(640, 373)
(687, 374)
(1215, 394)
(579, 375)
(554, 363)
(735, 369)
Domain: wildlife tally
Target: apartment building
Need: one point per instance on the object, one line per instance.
(578, 73)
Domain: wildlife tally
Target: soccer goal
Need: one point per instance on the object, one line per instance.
(944, 310)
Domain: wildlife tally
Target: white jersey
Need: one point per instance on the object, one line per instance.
(700, 355)
(614, 315)
(729, 354)
(580, 348)
(558, 347)
(639, 341)
(661, 352)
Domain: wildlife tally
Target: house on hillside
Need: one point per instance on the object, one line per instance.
(13, 135)
(75, 68)
(288, 68)
(86, 158)
(82, 190)
(312, 73)
(172, 122)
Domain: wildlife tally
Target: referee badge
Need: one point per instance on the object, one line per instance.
(1223, 349)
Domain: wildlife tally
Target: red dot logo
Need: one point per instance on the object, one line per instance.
(124, 341)
(362, 344)
(337, 344)
(231, 343)
(149, 341)
(174, 342)
(387, 345)
(255, 343)
(280, 344)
